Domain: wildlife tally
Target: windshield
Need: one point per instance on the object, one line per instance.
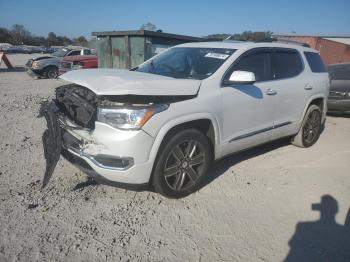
(60, 52)
(187, 62)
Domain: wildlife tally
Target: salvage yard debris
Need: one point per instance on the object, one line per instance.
(4, 58)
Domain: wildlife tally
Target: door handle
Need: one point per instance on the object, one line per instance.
(271, 92)
(308, 87)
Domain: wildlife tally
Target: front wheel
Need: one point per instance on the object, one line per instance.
(182, 164)
(310, 129)
(51, 72)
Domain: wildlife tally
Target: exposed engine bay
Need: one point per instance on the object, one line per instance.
(80, 104)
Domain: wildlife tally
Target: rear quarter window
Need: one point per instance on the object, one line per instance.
(315, 62)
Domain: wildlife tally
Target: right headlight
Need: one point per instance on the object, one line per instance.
(132, 118)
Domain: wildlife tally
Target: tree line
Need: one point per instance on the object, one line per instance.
(19, 35)
(244, 36)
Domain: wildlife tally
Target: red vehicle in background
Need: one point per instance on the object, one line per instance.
(77, 62)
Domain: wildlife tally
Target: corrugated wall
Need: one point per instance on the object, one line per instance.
(128, 51)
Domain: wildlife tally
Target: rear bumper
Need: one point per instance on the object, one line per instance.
(342, 106)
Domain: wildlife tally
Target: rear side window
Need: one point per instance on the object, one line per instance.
(315, 62)
(257, 62)
(339, 72)
(286, 64)
(75, 52)
(87, 52)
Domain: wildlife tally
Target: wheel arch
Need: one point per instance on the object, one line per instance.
(320, 101)
(48, 66)
(205, 123)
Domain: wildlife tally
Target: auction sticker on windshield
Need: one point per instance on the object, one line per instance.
(217, 55)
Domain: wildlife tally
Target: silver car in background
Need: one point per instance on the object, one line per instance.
(47, 66)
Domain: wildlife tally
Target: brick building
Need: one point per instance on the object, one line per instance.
(333, 48)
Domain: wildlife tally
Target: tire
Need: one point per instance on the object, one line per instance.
(310, 129)
(182, 164)
(51, 72)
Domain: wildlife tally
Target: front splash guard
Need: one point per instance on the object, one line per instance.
(52, 139)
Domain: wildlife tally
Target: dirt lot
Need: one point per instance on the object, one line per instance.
(248, 211)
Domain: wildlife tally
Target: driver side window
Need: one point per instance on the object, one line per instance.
(257, 62)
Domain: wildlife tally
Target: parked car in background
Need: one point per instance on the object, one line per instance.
(339, 94)
(19, 49)
(77, 62)
(48, 50)
(47, 66)
(162, 123)
(4, 47)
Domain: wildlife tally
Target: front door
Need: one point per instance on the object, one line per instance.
(248, 109)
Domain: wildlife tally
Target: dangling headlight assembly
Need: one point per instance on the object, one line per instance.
(132, 118)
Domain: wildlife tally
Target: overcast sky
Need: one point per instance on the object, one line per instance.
(197, 18)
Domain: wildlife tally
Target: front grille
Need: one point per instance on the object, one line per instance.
(78, 103)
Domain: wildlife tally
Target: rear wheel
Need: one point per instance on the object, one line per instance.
(182, 164)
(51, 72)
(310, 129)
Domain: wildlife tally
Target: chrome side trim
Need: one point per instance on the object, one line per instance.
(282, 124)
(251, 134)
(259, 131)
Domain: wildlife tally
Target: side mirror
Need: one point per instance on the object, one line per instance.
(241, 77)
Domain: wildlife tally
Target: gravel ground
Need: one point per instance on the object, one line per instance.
(248, 211)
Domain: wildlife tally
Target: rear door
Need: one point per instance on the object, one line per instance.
(291, 84)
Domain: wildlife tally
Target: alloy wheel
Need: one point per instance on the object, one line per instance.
(312, 127)
(52, 73)
(183, 165)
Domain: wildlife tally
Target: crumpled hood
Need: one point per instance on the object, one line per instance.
(124, 82)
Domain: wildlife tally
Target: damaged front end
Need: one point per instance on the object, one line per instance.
(110, 146)
(52, 140)
(73, 108)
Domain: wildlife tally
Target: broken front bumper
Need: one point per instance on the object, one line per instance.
(111, 154)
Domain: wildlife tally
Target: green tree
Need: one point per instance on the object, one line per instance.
(81, 41)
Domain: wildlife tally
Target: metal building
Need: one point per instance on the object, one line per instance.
(127, 49)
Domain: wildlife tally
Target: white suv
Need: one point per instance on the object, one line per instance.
(162, 123)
